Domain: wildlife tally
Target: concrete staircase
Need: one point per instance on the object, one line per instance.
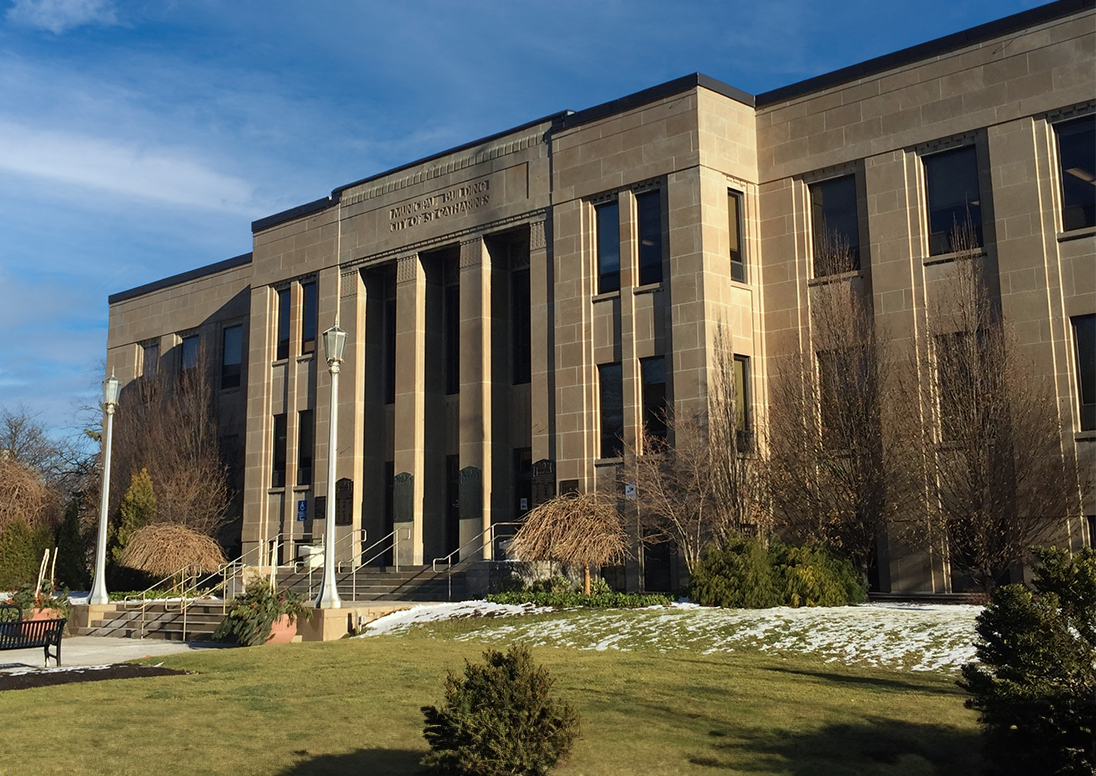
(158, 621)
(372, 583)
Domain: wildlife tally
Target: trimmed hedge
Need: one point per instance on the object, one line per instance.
(743, 573)
(578, 600)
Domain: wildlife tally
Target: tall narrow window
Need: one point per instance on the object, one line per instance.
(189, 347)
(608, 247)
(734, 225)
(277, 476)
(954, 201)
(306, 446)
(150, 360)
(232, 356)
(308, 318)
(283, 324)
(1077, 159)
(521, 326)
(649, 212)
(1084, 340)
(834, 389)
(452, 338)
(743, 415)
(523, 480)
(835, 226)
(611, 389)
(653, 376)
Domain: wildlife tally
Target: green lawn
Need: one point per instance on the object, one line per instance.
(352, 707)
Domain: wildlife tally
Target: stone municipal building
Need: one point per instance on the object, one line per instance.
(516, 306)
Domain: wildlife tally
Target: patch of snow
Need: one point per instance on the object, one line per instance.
(401, 621)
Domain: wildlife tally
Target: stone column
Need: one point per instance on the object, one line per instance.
(475, 389)
(352, 301)
(542, 373)
(410, 411)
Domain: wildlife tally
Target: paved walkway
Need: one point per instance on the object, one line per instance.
(98, 651)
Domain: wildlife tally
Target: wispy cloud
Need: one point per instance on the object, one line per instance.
(59, 16)
(148, 173)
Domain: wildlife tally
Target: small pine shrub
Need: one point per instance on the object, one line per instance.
(510, 584)
(138, 509)
(736, 574)
(499, 719)
(72, 569)
(1034, 682)
(813, 576)
(599, 586)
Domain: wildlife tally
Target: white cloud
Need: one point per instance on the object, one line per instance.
(157, 174)
(59, 16)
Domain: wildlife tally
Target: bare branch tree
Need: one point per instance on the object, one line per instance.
(169, 427)
(707, 482)
(832, 479)
(1001, 481)
(576, 529)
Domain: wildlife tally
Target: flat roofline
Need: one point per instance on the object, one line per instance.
(923, 51)
(653, 94)
(336, 194)
(184, 277)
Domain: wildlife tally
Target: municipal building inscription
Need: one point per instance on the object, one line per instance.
(449, 203)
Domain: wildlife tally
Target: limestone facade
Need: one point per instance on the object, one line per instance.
(482, 332)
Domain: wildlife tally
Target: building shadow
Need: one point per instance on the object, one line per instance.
(883, 747)
(871, 681)
(375, 762)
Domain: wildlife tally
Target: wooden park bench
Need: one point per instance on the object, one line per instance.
(17, 633)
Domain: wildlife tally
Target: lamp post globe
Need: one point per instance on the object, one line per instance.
(334, 340)
(111, 388)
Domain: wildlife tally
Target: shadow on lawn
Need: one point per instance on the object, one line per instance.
(884, 747)
(870, 681)
(375, 762)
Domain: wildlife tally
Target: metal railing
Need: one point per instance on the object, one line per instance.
(468, 545)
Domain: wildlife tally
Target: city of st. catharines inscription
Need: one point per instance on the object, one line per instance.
(462, 199)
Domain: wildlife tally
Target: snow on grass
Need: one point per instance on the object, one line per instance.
(914, 637)
(403, 620)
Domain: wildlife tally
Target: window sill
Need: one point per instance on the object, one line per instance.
(305, 358)
(279, 362)
(608, 461)
(1084, 436)
(302, 488)
(275, 490)
(650, 288)
(1077, 234)
(838, 277)
(607, 295)
(945, 258)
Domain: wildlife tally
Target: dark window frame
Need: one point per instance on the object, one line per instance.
(649, 235)
(306, 447)
(451, 335)
(743, 403)
(232, 373)
(942, 215)
(826, 240)
(309, 316)
(284, 321)
(1077, 188)
(608, 244)
(150, 359)
(281, 446)
(521, 327)
(1084, 352)
(610, 380)
(190, 348)
(736, 223)
(652, 377)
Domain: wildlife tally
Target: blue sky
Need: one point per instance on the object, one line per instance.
(140, 139)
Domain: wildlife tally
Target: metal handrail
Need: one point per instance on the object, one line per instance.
(448, 559)
(342, 540)
(228, 573)
(394, 545)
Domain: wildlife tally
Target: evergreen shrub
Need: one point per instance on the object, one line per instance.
(499, 719)
(743, 573)
(251, 615)
(21, 549)
(1034, 682)
(72, 568)
(738, 574)
(813, 576)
